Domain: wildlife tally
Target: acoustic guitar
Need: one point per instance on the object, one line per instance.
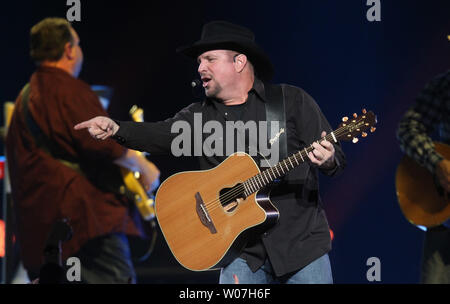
(205, 216)
(144, 201)
(421, 199)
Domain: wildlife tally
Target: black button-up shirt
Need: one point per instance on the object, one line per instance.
(301, 234)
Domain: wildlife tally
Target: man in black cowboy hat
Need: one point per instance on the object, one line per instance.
(234, 73)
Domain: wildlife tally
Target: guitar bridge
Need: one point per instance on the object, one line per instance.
(203, 214)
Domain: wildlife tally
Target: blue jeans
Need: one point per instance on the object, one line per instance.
(316, 272)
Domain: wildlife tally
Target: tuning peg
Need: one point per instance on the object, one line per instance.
(355, 115)
(364, 134)
(355, 140)
(372, 129)
(364, 111)
(344, 119)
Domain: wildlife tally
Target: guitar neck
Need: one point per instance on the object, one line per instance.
(267, 176)
(348, 130)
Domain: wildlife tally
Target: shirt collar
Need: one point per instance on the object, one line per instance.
(53, 70)
(258, 88)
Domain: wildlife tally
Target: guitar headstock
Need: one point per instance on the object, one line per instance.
(137, 114)
(350, 129)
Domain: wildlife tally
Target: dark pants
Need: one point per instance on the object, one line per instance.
(104, 260)
(107, 260)
(436, 256)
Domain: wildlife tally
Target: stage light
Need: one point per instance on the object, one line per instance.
(2, 167)
(2, 238)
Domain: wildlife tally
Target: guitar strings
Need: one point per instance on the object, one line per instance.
(231, 195)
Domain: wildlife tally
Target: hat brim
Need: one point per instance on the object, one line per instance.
(261, 62)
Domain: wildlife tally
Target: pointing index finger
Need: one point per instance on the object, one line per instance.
(82, 125)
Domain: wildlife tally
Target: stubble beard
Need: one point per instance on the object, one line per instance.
(213, 91)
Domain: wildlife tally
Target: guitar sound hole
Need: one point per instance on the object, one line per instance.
(230, 198)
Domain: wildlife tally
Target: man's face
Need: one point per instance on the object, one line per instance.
(216, 69)
(77, 54)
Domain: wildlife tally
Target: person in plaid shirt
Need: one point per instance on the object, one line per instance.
(431, 113)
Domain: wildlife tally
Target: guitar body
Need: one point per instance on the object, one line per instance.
(419, 199)
(202, 229)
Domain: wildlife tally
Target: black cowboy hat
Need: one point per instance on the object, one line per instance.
(222, 35)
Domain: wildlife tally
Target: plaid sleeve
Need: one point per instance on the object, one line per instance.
(420, 121)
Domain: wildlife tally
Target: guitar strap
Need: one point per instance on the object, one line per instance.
(108, 178)
(275, 111)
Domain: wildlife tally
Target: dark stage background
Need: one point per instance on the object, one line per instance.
(326, 47)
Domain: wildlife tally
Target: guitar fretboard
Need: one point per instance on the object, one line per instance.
(267, 176)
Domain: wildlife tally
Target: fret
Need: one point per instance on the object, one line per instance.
(334, 137)
(258, 182)
(255, 185)
(270, 177)
(249, 188)
(296, 160)
(300, 152)
(264, 176)
(263, 182)
(291, 162)
(275, 176)
(254, 188)
(287, 168)
(277, 171)
(281, 167)
(245, 189)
